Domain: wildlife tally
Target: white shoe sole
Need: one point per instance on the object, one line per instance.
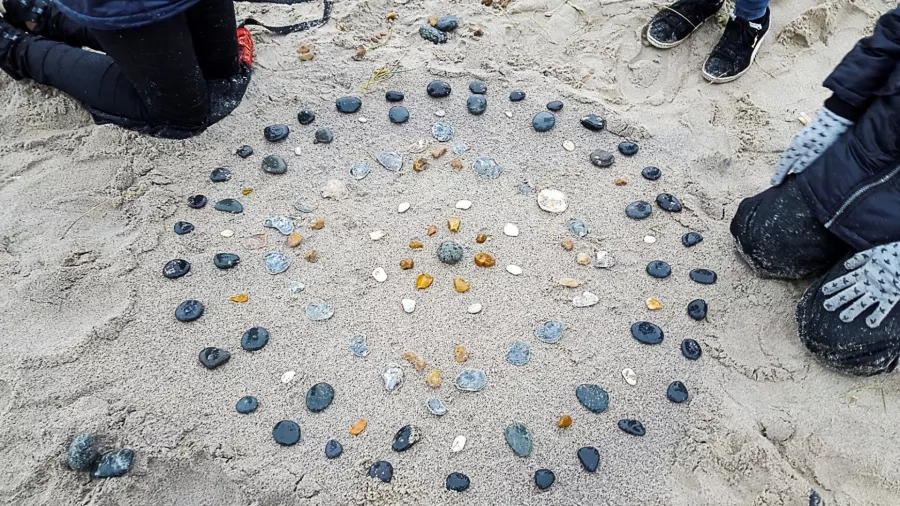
(721, 80)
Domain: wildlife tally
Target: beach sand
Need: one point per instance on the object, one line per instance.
(90, 343)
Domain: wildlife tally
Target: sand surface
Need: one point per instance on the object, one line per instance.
(89, 342)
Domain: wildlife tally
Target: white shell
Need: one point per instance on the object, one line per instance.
(586, 299)
(298, 151)
(379, 275)
(464, 204)
(552, 201)
(568, 145)
(515, 270)
(288, 376)
(649, 239)
(409, 305)
(403, 207)
(227, 233)
(629, 376)
(376, 234)
(511, 230)
(474, 308)
(458, 444)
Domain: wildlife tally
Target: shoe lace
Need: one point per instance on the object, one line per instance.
(737, 35)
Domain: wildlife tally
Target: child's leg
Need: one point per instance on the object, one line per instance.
(851, 347)
(214, 33)
(778, 236)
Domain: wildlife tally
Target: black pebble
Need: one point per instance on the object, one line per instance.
(544, 478)
(114, 463)
(543, 121)
(189, 311)
(601, 158)
(476, 104)
(274, 164)
(226, 260)
(633, 427)
(478, 87)
(333, 449)
(197, 201)
(82, 452)
(593, 122)
(593, 397)
(651, 173)
(382, 470)
(438, 89)
(348, 105)
(398, 114)
(406, 438)
(516, 96)
(697, 309)
(212, 357)
(220, 175)
(323, 136)
(176, 268)
(183, 227)
(659, 269)
(244, 151)
(255, 339)
(647, 333)
(286, 433)
(638, 210)
(276, 133)
(555, 105)
(677, 392)
(246, 405)
(628, 148)
(394, 96)
(691, 239)
(432, 34)
(319, 397)
(229, 206)
(589, 458)
(668, 202)
(691, 349)
(704, 276)
(457, 482)
(815, 499)
(305, 117)
(447, 23)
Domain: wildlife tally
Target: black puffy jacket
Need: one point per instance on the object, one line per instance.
(854, 187)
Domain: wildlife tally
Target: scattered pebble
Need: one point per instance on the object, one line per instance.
(544, 478)
(653, 304)
(647, 333)
(460, 284)
(691, 239)
(358, 345)
(516, 96)
(212, 357)
(420, 164)
(555, 105)
(439, 152)
(704, 276)
(471, 380)
(478, 87)
(628, 148)
(379, 275)
(487, 167)
(519, 353)
(589, 458)
(82, 452)
(246, 405)
(403, 207)
(569, 283)
(407, 264)
(390, 160)
(114, 463)
(696, 309)
(244, 151)
(568, 145)
(183, 227)
(435, 36)
(229, 206)
(483, 259)
(436, 407)
(360, 425)
(398, 114)
(438, 89)
(659, 269)
(450, 252)
(593, 122)
(394, 96)
(605, 260)
(220, 175)
(518, 439)
(461, 354)
(515, 270)
(286, 433)
(406, 438)
(288, 376)
(197, 201)
(276, 262)
(189, 311)
(441, 132)
(255, 339)
(447, 23)
(508, 114)
(459, 442)
(333, 449)
(593, 397)
(464, 204)
(282, 224)
(649, 239)
(677, 392)
(564, 421)
(601, 158)
(227, 233)
(621, 182)
(359, 171)
(691, 349)
(409, 305)
(433, 378)
(474, 308)
(296, 287)
(348, 105)
(304, 206)
(440, 113)
(460, 149)
(382, 470)
(583, 259)
(276, 133)
(567, 244)
(578, 227)
(393, 377)
(226, 260)
(511, 230)
(319, 310)
(176, 268)
(543, 121)
(457, 482)
(305, 117)
(323, 136)
(549, 332)
(638, 210)
(629, 376)
(377, 234)
(586, 299)
(633, 427)
(319, 397)
(476, 104)
(668, 202)
(552, 201)
(651, 173)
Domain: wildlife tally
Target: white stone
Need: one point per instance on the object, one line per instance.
(439, 113)
(464, 204)
(377, 234)
(515, 270)
(296, 287)
(552, 201)
(511, 230)
(288, 376)
(649, 239)
(605, 260)
(227, 233)
(474, 308)
(568, 145)
(403, 207)
(586, 299)
(508, 114)
(458, 444)
(409, 305)
(630, 376)
(298, 151)
(334, 189)
(363, 119)
(379, 275)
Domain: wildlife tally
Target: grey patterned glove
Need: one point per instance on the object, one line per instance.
(874, 281)
(809, 143)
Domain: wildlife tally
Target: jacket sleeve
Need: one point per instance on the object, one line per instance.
(866, 68)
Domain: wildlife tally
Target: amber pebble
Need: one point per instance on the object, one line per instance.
(461, 354)
(420, 165)
(246, 191)
(406, 264)
(311, 256)
(564, 421)
(432, 20)
(294, 240)
(391, 16)
(434, 378)
(480, 238)
(414, 359)
(460, 284)
(456, 164)
(621, 182)
(567, 244)
(241, 297)
(437, 153)
(432, 230)
(583, 259)
(653, 304)
(319, 224)
(306, 56)
(358, 427)
(303, 49)
(415, 244)
(453, 224)
(484, 260)
(423, 281)
(569, 282)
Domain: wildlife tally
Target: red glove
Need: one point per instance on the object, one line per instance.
(245, 46)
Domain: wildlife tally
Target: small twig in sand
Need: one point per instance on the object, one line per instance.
(106, 201)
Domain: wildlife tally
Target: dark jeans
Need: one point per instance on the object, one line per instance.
(776, 234)
(156, 75)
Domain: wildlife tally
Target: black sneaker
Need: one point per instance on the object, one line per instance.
(736, 50)
(674, 24)
(10, 37)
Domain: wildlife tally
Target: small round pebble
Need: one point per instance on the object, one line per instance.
(602, 158)
(197, 201)
(677, 392)
(691, 349)
(471, 380)
(519, 353)
(348, 105)
(246, 405)
(593, 122)
(589, 458)
(394, 96)
(651, 173)
(476, 104)
(447, 23)
(578, 227)
(276, 262)
(276, 133)
(543, 121)
(668, 202)
(323, 136)
(593, 397)
(478, 87)
(436, 406)
(638, 210)
(516, 96)
(432, 34)
(255, 339)
(189, 311)
(183, 227)
(319, 397)
(691, 239)
(647, 333)
(114, 463)
(359, 171)
(286, 433)
(319, 310)
(438, 89)
(382, 470)
(82, 452)
(176, 268)
(398, 114)
(212, 357)
(487, 167)
(441, 132)
(704, 276)
(274, 164)
(549, 332)
(229, 206)
(544, 478)
(226, 260)
(450, 252)
(305, 116)
(697, 309)
(244, 151)
(633, 427)
(518, 439)
(220, 175)
(457, 482)
(406, 438)
(628, 148)
(333, 449)
(659, 269)
(555, 106)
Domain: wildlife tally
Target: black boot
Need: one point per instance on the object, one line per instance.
(10, 38)
(736, 50)
(674, 24)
